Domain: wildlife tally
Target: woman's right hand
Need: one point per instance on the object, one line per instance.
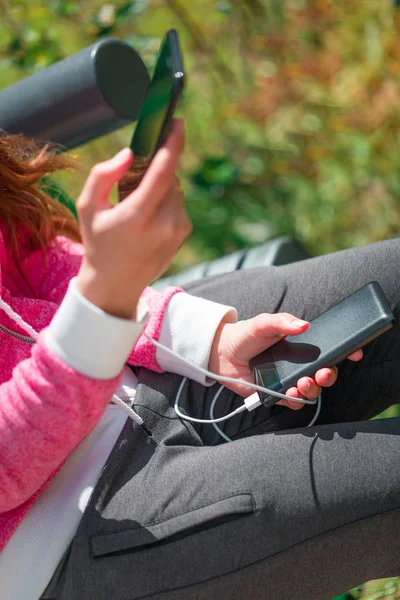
(129, 245)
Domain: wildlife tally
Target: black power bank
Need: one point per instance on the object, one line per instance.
(331, 337)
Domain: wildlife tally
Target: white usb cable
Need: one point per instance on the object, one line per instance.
(250, 403)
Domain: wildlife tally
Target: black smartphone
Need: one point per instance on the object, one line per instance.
(157, 111)
(330, 338)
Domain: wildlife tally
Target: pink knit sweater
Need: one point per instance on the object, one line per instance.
(46, 408)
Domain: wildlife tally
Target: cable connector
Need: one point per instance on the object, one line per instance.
(252, 402)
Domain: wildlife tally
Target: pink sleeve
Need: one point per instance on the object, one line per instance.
(46, 407)
(63, 262)
(46, 410)
(49, 274)
(144, 353)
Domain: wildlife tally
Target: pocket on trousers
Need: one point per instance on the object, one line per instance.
(174, 528)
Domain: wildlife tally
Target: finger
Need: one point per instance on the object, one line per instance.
(326, 377)
(161, 173)
(356, 356)
(101, 179)
(308, 388)
(265, 329)
(267, 325)
(173, 218)
(277, 324)
(294, 392)
(171, 206)
(174, 197)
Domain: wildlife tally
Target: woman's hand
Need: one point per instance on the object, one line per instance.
(235, 344)
(129, 245)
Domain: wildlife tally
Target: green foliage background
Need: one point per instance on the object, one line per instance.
(292, 110)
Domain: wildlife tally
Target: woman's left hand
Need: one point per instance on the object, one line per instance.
(235, 344)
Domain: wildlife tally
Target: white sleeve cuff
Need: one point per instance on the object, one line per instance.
(188, 328)
(90, 340)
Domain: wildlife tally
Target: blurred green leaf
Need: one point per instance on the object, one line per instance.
(216, 171)
(65, 8)
(224, 7)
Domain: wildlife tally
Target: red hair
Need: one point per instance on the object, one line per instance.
(23, 164)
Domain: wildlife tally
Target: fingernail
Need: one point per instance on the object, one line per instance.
(298, 323)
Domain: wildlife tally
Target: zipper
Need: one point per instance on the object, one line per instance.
(18, 336)
(127, 400)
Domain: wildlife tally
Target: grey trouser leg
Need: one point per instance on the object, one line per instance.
(308, 288)
(300, 513)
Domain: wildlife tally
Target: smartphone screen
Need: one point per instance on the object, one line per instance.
(157, 111)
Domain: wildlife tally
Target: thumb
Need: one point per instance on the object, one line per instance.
(101, 179)
(265, 329)
(279, 324)
(288, 324)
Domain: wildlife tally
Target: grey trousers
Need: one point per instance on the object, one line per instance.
(283, 511)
